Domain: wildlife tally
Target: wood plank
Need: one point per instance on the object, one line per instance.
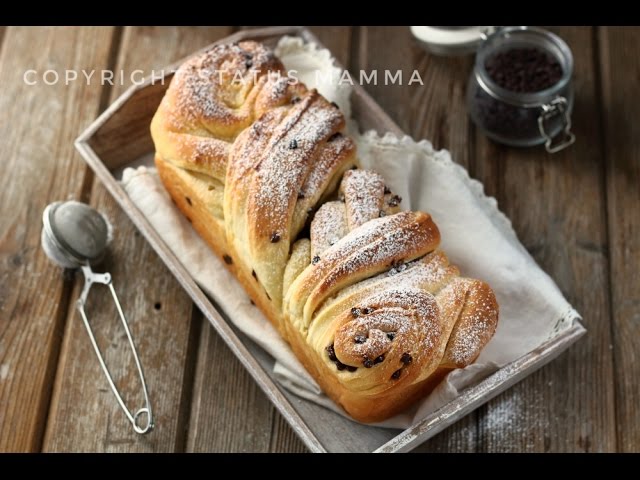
(337, 40)
(620, 69)
(229, 413)
(160, 312)
(556, 203)
(40, 165)
(435, 111)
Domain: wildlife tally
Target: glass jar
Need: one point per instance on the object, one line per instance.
(523, 119)
(516, 118)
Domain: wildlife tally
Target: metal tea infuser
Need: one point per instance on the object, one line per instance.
(75, 235)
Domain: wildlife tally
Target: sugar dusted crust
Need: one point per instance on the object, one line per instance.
(358, 288)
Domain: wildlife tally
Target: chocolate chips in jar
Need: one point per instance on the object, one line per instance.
(520, 90)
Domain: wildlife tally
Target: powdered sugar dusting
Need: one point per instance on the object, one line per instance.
(328, 226)
(475, 326)
(396, 329)
(363, 192)
(286, 162)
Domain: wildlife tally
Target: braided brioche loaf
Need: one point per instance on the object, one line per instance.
(260, 167)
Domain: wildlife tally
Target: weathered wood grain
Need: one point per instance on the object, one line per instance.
(560, 205)
(337, 40)
(39, 165)
(84, 414)
(556, 203)
(435, 111)
(229, 411)
(620, 70)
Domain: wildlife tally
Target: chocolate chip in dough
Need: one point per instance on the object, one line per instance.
(355, 311)
(293, 144)
(378, 360)
(254, 275)
(406, 358)
(227, 259)
(300, 194)
(395, 201)
(335, 136)
(332, 353)
(367, 310)
(396, 374)
(387, 189)
(382, 213)
(188, 200)
(351, 369)
(275, 237)
(295, 100)
(391, 335)
(359, 339)
(335, 105)
(315, 260)
(368, 363)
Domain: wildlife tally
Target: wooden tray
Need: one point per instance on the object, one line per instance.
(120, 137)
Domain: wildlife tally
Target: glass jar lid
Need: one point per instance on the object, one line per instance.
(451, 40)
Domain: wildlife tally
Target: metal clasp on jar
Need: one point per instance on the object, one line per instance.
(557, 107)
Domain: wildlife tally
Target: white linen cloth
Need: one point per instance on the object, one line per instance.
(476, 236)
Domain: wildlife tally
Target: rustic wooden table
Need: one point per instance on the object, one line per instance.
(577, 212)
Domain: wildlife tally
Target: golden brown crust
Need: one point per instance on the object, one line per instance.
(368, 304)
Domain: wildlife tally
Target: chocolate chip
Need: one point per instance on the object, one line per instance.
(335, 136)
(378, 360)
(406, 358)
(367, 310)
(252, 302)
(189, 220)
(382, 213)
(335, 104)
(359, 339)
(395, 201)
(248, 64)
(391, 335)
(396, 374)
(268, 297)
(332, 353)
(354, 167)
(341, 366)
(355, 311)
(309, 210)
(256, 128)
(295, 100)
(248, 56)
(227, 259)
(524, 69)
(253, 273)
(300, 194)
(351, 369)
(368, 363)
(387, 189)
(293, 144)
(188, 200)
(315, 259)
(275, 237)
